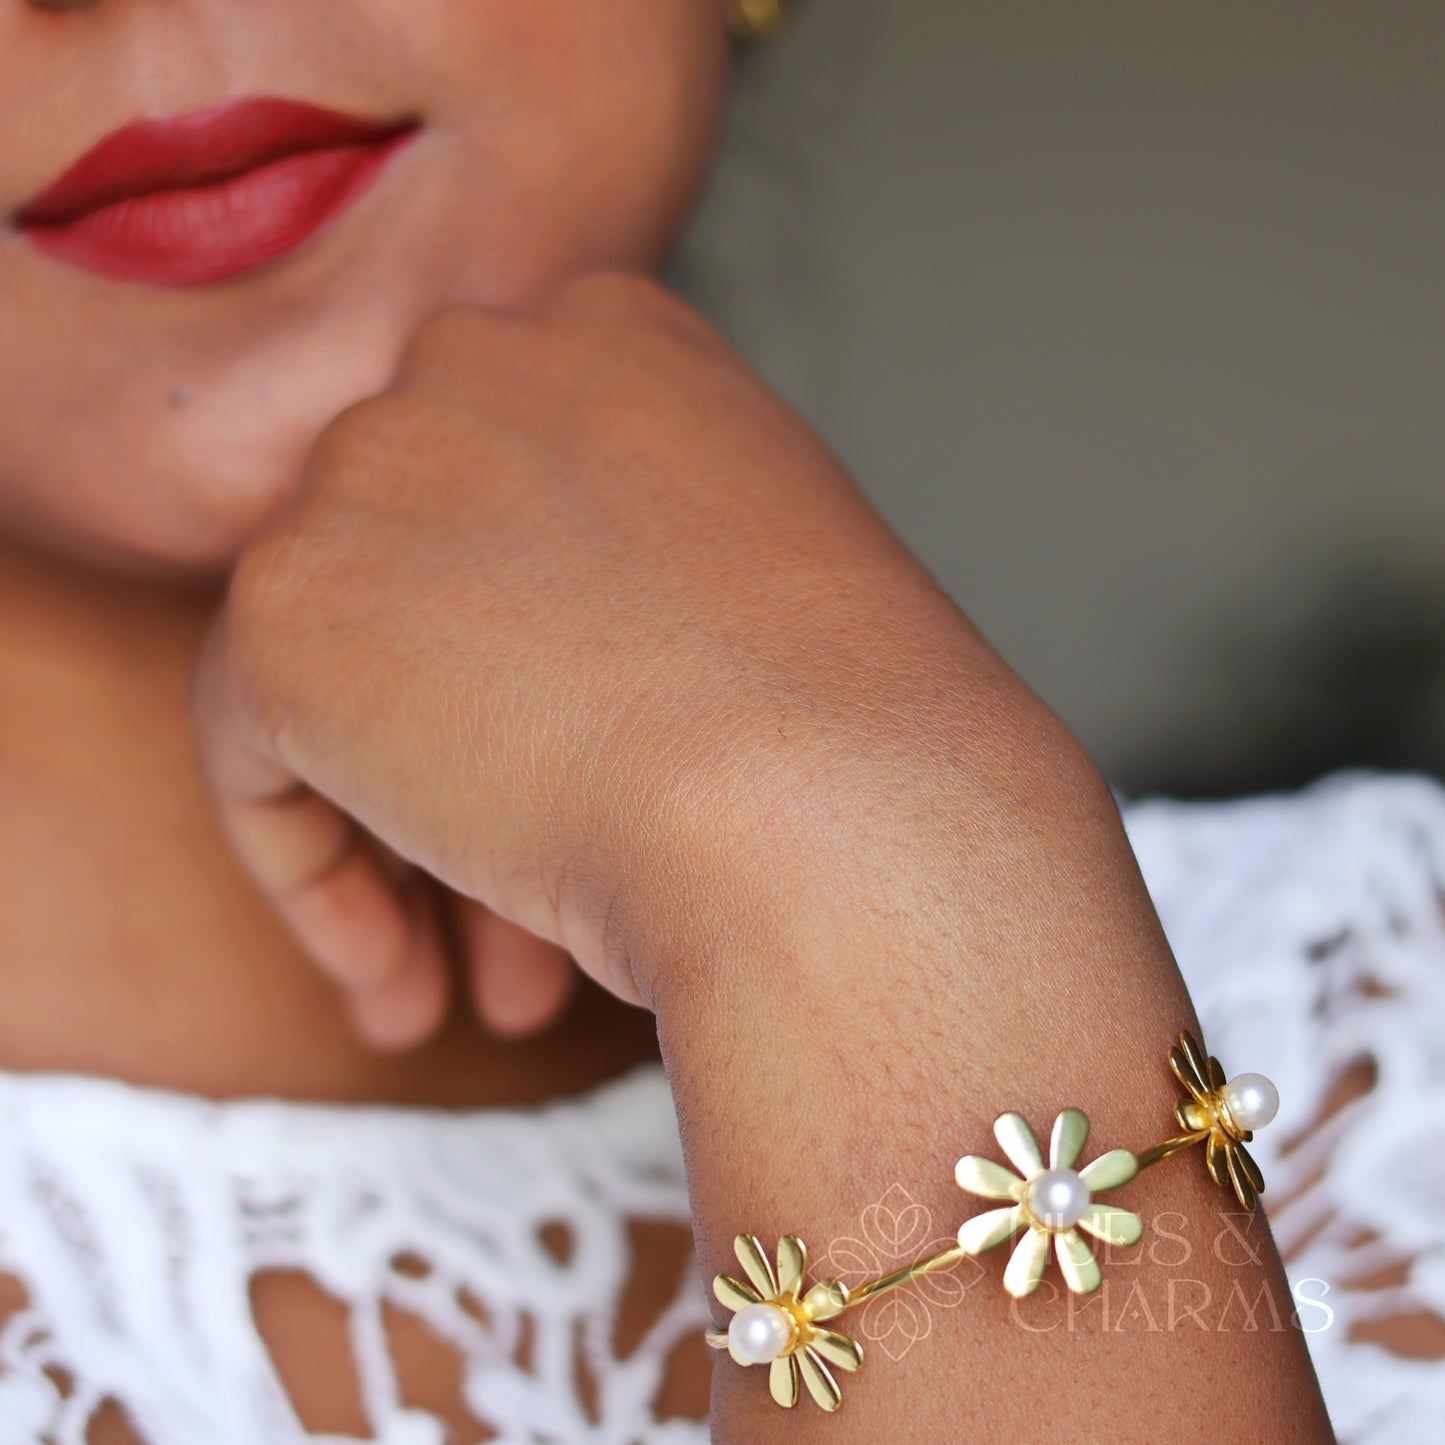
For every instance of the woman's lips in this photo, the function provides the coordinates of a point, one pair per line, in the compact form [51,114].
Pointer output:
[198,198]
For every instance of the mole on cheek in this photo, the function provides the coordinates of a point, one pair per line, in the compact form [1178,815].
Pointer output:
[180,396]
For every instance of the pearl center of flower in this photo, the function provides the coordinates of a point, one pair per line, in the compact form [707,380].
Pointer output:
[1057,1198]
[1252,1101]
[760,1333]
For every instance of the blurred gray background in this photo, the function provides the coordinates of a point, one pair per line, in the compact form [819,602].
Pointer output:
[1130,318]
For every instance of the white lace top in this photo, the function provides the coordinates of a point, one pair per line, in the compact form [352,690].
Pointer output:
[1313,934]
[137,1221]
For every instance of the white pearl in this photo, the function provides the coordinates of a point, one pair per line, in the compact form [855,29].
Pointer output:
[1058,1198]
[760,1333]
[1252,1101]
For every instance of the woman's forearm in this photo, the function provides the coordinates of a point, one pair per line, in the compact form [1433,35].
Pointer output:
[857,1028]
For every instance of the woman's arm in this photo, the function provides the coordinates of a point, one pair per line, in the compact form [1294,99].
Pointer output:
[866,1036]
[579,619]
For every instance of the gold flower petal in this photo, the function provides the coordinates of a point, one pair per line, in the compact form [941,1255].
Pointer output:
[1197,1064]
[1071,1129]
[1109,1170]
[1215,1075]
[991,1227]
[1183,1070]
[733,1293]
[792,1264]
[982,1176]
[783,1380]
[1016,1140]
[826,1299]
[749,1250]
[819,1380]
[1026,1264]
[837,1350]
[1113,1226]
[1076,1260]
[1251,1169]
[1243,1189]
[1214,1159]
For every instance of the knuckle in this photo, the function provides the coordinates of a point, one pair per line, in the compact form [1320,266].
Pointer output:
[456,335]
[362,428]
[290,596]
[359,448]
[610,289]
[641,321]
[624,297]
[297,572]
[240,675]
[268,587]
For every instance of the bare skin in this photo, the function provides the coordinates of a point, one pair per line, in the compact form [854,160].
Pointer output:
[848,980]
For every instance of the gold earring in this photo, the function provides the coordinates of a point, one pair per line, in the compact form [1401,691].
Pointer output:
[755,19]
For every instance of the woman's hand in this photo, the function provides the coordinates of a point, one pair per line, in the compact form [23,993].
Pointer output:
[574,617]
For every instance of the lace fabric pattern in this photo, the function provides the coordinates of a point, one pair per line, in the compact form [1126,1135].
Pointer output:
[1312,932]
[137,1221]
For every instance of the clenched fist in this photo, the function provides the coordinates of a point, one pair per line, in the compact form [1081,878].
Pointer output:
[579,619]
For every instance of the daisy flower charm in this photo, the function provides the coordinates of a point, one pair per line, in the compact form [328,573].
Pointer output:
[1053,1203]
[778,1324]
[1224,1113]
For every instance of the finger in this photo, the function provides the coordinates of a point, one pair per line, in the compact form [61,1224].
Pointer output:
[520,983]
[407,1006]
[325,877]
[330,884]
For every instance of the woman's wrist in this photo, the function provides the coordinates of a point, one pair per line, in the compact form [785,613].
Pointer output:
[928,838]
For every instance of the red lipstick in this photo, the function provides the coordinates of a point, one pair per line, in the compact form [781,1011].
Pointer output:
[186,200]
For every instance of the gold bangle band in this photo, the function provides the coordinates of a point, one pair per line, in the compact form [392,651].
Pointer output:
[782,1322]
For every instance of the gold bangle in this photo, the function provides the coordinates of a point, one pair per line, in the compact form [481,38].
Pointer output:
[782,1322]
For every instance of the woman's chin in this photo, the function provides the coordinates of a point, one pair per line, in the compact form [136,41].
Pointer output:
[178,523]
